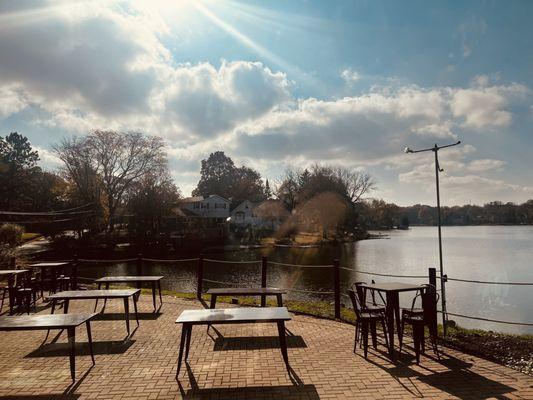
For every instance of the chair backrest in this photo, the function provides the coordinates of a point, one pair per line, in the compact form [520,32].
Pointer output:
[360,292]
[356,303]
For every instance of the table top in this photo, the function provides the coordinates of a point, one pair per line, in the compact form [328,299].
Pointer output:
[44,321]
[234,315]
[392,286]
[117,279]
[4,272]
[49,264]
[246,291]
[93,294]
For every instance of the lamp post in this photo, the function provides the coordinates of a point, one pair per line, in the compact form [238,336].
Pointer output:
[435,149]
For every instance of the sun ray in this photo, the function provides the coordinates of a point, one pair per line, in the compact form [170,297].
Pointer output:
[260,50]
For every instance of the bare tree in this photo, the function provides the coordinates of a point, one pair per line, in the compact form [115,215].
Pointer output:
[116,160]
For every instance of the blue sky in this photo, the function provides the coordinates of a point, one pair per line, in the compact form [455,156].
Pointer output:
[285,83]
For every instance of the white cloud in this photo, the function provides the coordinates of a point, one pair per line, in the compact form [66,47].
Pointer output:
[485,107]
[13,100]
[350,76]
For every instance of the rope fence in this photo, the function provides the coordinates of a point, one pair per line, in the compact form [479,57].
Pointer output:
[170,261]
[488,319]
[264,263]
[232,262]
[299,265]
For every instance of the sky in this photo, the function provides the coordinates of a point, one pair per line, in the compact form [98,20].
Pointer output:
[278,84]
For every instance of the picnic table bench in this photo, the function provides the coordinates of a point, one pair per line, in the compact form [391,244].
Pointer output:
[124,294]
[57,321]
[153,280]
[263,292]
[248,315]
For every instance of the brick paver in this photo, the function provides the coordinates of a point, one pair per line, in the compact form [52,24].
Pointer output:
[236,362]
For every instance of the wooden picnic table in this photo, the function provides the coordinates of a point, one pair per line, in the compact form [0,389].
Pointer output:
[11,275]
[54,266]
[57,321]
[392,306]
[248,315]
[263,292]
[125,294]
[153,280]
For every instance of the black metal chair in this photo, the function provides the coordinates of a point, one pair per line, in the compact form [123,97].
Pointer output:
[365,321]
[419,318]
[26,293]
[361,293]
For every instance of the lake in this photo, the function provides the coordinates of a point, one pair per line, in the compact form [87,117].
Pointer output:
[488,253]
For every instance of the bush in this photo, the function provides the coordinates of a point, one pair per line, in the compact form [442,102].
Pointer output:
[11,234]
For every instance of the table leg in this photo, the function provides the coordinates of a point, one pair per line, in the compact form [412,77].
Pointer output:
[53,306]
[105,299]
[188,342]
[127,313]
[72,356]
[90,338]
[184,329]
[213,301]
[280,300]
[135,308]
[96,301]
[66,303]
[283,343]
[392,297]
[160,295]
[153,295]
[11,292]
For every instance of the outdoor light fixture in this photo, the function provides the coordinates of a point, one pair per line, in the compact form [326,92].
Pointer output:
[438,169]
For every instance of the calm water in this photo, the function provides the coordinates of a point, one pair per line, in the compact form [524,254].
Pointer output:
[490,253]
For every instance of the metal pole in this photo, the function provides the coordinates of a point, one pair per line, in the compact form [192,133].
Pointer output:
[441,271]
[435,149]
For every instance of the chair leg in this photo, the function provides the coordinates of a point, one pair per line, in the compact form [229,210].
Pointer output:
[356,335]
[374,334]
[365,338]
[384,327]
[401,335]
[416,337]
[3,298]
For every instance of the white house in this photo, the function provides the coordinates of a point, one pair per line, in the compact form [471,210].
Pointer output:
[267,214]
[243,213]
[213,206]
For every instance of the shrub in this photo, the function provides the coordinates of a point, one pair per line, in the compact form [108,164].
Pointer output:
[11,234]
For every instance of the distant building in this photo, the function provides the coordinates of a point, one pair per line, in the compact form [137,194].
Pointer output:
[213,206]
[268,214]
[199,218]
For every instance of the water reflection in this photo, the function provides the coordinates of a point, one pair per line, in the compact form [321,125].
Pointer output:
[489,253]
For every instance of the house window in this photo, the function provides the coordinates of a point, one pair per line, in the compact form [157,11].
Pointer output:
[196,205]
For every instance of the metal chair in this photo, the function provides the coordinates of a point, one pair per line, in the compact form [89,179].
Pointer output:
[419,318]
[366,320]
[25,293]
[361,293]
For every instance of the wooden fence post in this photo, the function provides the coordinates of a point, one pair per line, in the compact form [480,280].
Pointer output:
[200,277]
[74,277]
[264,265]
[433,282]
[337,287]
[139,268]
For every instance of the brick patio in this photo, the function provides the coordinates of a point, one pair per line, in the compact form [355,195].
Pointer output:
[244,362]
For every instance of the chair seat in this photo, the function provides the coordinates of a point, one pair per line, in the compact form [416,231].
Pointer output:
[414,319]
[370,316]
[412,311]
[374,309]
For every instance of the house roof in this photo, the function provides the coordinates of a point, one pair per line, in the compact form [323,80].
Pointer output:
[220,197]
[194,199]
[271,208]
